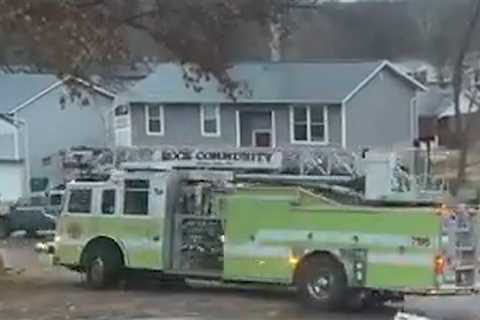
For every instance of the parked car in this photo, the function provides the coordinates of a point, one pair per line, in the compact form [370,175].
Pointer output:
[37,213]
[31,220]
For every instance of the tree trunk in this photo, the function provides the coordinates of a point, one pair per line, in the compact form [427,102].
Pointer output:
[458,77]
[462,167]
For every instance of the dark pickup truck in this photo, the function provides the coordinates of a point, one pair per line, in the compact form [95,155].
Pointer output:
[31,220]
[32,214]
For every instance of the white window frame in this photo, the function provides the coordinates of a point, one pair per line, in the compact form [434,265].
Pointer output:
[309,125]
[148,118]
[217,119]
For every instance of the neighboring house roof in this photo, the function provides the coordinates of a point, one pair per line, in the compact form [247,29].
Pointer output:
[466,107]
[434,101]
[15,89]
[411,66]
[316,82]
[438,102]
[19,90]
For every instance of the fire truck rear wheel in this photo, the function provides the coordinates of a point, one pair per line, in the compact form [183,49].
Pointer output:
[322,283]
[103,266]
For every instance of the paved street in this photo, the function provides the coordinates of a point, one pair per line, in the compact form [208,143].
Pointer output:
[38,292]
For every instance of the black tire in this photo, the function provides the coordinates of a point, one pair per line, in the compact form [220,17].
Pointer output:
[31,234]
[103,265]
[4,230]
[322,283]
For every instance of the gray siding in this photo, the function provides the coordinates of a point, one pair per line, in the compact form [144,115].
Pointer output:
[380,114]
[51,129]
[7,146]
[335,125]
[182,125]
[7,140]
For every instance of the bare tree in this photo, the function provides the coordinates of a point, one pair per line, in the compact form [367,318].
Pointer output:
[464,124]
[74,36]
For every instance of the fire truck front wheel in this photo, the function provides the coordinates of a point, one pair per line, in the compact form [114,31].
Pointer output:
[321,282]
[103,266]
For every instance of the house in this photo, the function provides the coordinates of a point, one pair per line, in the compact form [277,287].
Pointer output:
[54,115]
[353,105]
[13,183]
[437,116]
[288,104]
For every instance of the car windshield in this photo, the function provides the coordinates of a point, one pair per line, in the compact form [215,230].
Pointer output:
[56,200]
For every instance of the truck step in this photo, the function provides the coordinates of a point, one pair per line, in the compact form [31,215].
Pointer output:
[466,267]
[466,248]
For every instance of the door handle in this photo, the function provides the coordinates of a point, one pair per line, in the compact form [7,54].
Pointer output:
[156,238]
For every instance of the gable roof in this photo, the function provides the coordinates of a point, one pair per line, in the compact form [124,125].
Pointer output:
[19,90]
[15,89]
[316,82]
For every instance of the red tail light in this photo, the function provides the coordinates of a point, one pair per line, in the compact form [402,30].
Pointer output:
[440,263]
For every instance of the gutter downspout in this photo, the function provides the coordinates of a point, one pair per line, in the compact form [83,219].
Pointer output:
[26,150]
[344,124]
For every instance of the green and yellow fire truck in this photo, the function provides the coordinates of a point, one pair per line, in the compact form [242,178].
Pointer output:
[203,224]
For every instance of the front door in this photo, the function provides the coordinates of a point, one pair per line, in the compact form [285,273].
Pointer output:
[256,129]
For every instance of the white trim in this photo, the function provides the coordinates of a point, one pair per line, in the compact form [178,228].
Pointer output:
[16,147]
[309,126]
[344,125]
[23,125]
[406,76]
[147,119]
[364,82]
[55,86]
[127,129]
[413,119]
[237,128]
[37,96]
[128,142]
[217,119]
[238,101]
[94,87]
[274,130]
[377,70]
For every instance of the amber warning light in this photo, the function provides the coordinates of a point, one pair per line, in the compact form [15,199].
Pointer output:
[439,265]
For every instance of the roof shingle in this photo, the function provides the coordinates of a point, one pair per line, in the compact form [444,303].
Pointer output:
[267,82]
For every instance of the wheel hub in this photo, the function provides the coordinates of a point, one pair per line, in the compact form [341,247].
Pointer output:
[320,286]
[97,270]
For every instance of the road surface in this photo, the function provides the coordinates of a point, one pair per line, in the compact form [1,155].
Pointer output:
[39,292]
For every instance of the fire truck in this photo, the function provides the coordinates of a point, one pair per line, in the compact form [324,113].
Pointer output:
[205,224]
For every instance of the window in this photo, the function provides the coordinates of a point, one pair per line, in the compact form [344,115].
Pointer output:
[56,200]
[154,119]
[210,119]
[309,124]
[80,201]
[136,197]
[121,110]
[108,202]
